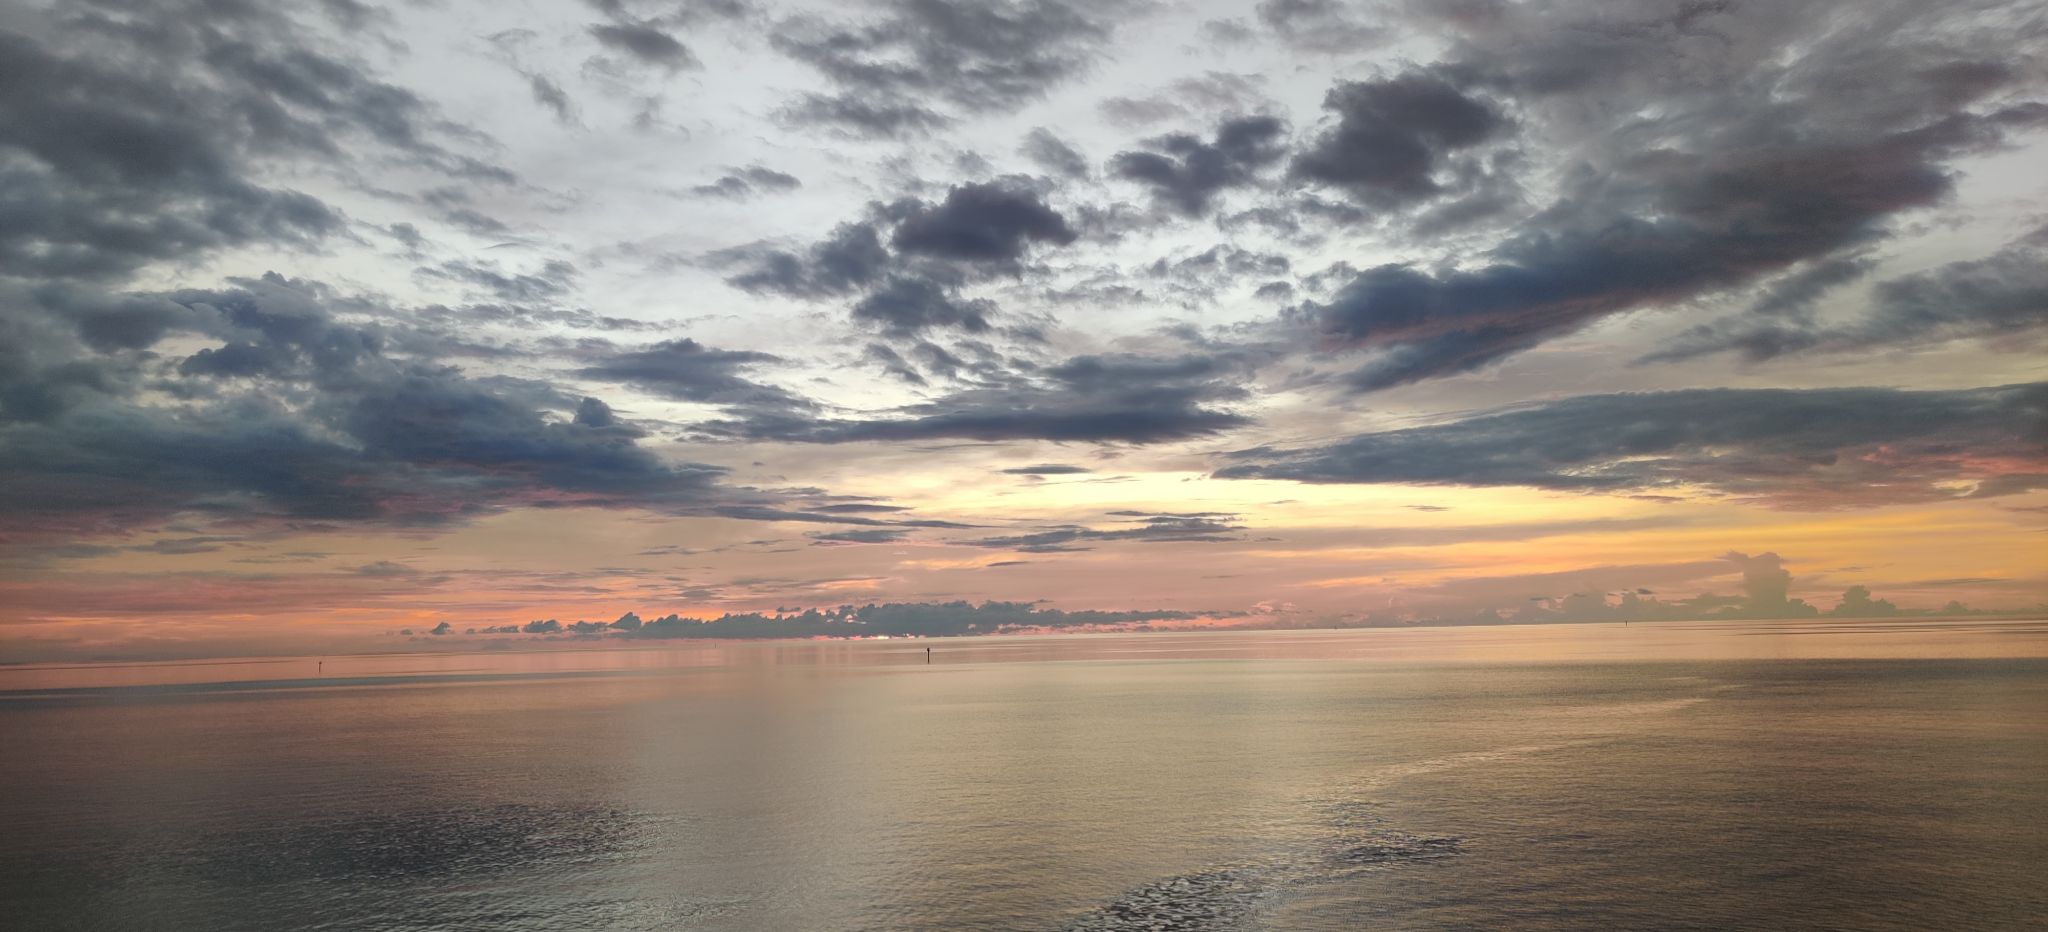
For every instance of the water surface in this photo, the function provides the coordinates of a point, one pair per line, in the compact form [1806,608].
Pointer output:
[1697,775]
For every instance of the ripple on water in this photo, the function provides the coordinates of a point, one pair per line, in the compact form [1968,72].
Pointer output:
[1350,842]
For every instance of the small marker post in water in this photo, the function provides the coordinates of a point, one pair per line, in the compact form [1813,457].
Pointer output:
[927,655]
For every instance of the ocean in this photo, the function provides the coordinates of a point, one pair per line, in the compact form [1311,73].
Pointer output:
[1700,775]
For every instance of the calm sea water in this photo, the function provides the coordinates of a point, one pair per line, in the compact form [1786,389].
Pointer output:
[1709,776]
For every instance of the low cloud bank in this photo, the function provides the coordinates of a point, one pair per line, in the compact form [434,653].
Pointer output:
[1573,597]
[896,619]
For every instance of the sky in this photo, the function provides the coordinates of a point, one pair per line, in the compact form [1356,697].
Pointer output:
[322,322]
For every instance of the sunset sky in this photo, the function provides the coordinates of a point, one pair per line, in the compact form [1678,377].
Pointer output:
[323,321]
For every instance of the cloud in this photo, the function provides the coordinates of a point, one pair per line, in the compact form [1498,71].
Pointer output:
[862,536]
[1745,165]
[907,305]
[1765,581]
[851,257]
[1590,594]
[184,545]
[550,95]
[158,137]
[1392,137]
[295,418]
[978,230]
[1857,603]
[553,280]
[862,118]
[1168,528]
[1213,93]
[1054,154]
[1185,174]
[1048,469]
[1814,448]
[1328,26]
[894,73]
[1206,275]
[982,223]
[746,182]
[644,43]
[1110,398]
[2003,295]
[686,370]
[918,619]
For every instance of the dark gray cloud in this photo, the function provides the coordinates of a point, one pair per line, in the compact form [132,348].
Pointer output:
[1329,26]
[1048,151]
[978,230]
[921,619]
[1794,294]
[1744,166]
[2003,296]
[1108,399]
[446,324]
[88,144]
[675,14]
[982,223]
[553,280]
[645,44]
[1048,469]
[1157,529]
[1392,137]
[862,118]
[1786,448]
[297,417]
[642,36]
[141,134]
[591,412]
[922,61]
[862,536]
[851,258]
[827,516]
[860,508]
[906,305]
[746,182]
[386,568]
[893,364]
[1185,173]
[550,95]
[1998,296]
[686,370]
[1780,320]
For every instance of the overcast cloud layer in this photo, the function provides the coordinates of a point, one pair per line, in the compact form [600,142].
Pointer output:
[1284,310]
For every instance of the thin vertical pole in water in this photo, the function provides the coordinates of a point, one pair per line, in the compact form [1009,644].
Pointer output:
[927,655]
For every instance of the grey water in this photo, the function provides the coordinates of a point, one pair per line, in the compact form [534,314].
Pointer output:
[1694,776]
